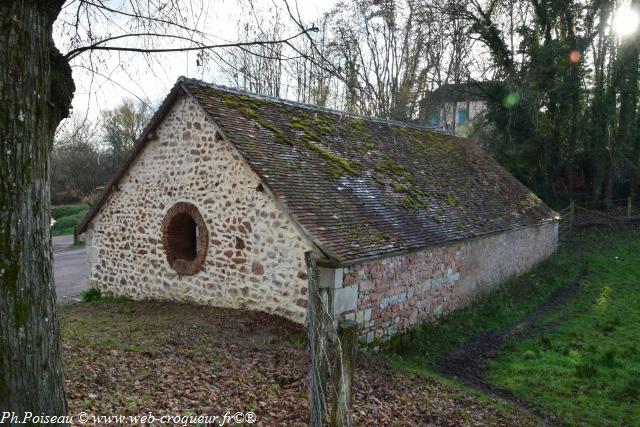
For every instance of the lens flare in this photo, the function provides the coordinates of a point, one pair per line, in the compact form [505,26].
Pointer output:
[575,56]
[511,100]
[625,21]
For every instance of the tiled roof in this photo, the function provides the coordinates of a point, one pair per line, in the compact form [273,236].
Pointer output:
[359,187]
[472,91]
[365,187]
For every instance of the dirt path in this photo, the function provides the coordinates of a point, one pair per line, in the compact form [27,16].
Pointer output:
[468,362]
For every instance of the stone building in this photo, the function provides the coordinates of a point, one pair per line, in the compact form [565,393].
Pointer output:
[225,193]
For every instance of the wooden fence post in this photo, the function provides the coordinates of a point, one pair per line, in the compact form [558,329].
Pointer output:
[628,207]
[345,360]
[317,337]
[572,213]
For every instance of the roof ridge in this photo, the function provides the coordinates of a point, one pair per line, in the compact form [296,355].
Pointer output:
[308,106]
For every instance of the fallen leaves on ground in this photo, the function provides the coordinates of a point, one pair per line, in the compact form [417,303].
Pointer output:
[134,358]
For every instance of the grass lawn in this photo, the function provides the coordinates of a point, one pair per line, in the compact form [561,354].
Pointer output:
[502,306]
[580,362]
[132,358]
[586,366]
[67,217]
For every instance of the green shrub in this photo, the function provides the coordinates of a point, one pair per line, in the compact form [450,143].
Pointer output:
[91,294]
[65,225]
[60,211]
[67,218]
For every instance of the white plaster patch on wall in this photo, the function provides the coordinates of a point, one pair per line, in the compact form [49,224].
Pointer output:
[393,299]
[436,282]
[255,258]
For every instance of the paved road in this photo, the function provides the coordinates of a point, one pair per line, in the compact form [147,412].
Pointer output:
[69,268]
[62,242]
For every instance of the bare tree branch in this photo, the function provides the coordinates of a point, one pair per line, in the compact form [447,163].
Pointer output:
[140,16]
[97,46]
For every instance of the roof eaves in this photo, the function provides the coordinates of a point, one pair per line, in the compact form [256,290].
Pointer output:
[333,263]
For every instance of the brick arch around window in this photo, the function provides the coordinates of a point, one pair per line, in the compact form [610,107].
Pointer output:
[185,238]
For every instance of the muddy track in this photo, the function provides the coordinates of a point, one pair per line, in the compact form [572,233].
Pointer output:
[468,362]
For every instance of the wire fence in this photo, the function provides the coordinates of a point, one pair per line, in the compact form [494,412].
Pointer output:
[332,353]
[616,212]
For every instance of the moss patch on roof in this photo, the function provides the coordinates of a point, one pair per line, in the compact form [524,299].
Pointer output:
[341,166]
[248,107]
[310,125]
[323,124]
[313,126]
[359,128]
[402,181]
[364,234]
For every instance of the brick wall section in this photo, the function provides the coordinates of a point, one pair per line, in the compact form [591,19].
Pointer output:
[255,256]
[398,292]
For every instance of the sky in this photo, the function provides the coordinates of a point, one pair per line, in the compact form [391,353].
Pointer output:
[149,78]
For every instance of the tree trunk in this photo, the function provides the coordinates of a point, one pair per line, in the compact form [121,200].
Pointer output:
[635,179]
[608,190]
[633,116]
[36,89]
[600,110]
[573,107]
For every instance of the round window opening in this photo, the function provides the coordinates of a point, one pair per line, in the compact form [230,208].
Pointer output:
[185,238]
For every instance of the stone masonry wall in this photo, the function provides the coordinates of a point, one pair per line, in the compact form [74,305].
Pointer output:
[397,292]
[255,256]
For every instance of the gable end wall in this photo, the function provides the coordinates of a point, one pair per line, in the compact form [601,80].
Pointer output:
[255,258]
